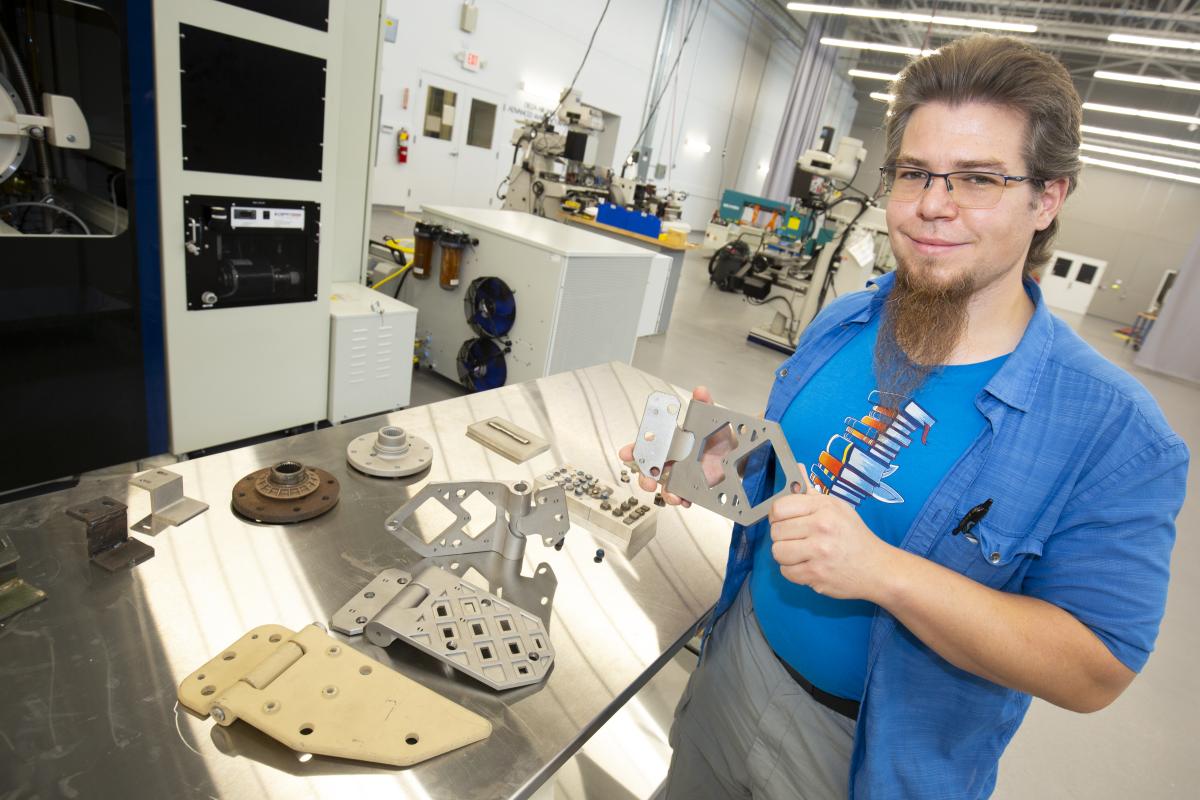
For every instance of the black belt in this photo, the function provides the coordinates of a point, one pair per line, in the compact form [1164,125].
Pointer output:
[842,705]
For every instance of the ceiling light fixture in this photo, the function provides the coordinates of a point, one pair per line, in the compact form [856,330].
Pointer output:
[882,48]
[883,97]
[878,76]
[909,16]
[1144,114]
[1170,83]
[1140,137]
[1117,151]
[1153,41]
[1157,173]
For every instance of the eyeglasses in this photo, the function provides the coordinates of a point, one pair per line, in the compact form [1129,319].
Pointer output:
[967,189]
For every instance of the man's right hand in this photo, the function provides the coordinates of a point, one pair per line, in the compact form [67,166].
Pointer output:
[715,450]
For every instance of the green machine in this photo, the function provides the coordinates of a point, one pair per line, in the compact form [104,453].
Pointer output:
[790,224]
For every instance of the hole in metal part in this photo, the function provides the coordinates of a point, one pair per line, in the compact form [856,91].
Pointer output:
[230,656]
[505,625]
[411,739]
[288,467]
[442,611]
[534,656]
[207,690]
[274,637]
[514,648]
[654,472]
[364,670]
[521,487]
[523,670]
[485,652]
[451,645]
[722,498]
[306,729]
[200,677]
[648,436]
[477,629]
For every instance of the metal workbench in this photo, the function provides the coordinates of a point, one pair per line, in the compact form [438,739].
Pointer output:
[89,676]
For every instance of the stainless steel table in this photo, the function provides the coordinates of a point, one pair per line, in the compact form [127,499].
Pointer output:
[89,676]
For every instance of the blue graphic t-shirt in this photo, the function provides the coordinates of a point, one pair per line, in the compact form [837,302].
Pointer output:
[882,454]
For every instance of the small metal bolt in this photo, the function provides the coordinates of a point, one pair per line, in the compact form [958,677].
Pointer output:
[605,505]
[218,713]
[361,620]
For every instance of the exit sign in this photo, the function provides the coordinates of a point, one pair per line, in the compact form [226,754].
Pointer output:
[471,61]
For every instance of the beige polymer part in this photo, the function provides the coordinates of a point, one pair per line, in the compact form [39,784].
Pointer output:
[316,695]
[501,436]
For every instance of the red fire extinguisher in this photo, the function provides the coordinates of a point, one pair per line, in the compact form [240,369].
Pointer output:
[402,146]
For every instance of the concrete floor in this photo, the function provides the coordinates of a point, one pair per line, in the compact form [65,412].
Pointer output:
[1144,745]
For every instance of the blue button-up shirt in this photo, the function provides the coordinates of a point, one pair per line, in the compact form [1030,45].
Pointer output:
[1085,478]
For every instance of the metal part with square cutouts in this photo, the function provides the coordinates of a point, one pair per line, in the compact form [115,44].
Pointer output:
[108,541]
[476,632]
[673,455]
[520,510]
[168,506]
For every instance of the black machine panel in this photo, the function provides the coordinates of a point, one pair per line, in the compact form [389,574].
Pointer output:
[309,13]
[249,251]
[250,108]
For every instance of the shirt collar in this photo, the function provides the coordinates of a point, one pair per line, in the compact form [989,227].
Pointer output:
[1015,383]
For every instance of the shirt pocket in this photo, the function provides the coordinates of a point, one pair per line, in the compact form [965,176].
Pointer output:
[995,556]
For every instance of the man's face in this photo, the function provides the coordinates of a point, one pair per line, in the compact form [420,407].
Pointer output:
[937,242]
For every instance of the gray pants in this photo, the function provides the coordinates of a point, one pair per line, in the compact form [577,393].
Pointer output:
[745,729]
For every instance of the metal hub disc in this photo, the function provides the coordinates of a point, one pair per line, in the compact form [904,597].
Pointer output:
[389,453]
[286,492]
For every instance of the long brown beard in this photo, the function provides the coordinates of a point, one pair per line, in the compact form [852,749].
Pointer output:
[922,324]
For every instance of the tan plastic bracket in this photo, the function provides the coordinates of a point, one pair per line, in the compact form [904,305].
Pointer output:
[319,696]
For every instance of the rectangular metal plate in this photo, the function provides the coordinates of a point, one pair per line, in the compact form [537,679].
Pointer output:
[511,441]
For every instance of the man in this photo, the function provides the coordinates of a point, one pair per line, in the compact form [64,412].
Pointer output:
[992,504]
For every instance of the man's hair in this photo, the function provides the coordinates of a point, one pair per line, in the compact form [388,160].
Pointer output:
[1002,71]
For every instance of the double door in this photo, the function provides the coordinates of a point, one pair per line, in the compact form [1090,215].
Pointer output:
[1070,281]
[455,153]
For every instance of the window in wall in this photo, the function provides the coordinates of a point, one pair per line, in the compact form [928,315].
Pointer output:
[1061,267]
[439,113]
[481,124]
[1087,273]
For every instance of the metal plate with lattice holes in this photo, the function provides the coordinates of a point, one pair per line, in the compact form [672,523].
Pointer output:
[316,695]
[476,632]
[673,455]
[505,514]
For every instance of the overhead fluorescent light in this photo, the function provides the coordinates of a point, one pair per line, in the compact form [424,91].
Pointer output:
[1140,112]
[1170,83]
[910,16]
[1157,173]
[696,145]
[1117,151]
[878,76]
[882,48]
[883,97]
[1140,137]
[1154,41]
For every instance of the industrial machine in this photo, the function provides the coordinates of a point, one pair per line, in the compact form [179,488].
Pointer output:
[549,169]
[263,206]
[504,296]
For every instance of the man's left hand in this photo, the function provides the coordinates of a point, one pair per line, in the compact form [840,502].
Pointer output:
[821,542]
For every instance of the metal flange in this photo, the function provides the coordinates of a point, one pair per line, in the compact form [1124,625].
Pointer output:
[287,492]
[390,452]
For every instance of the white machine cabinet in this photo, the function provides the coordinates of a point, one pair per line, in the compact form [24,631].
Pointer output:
[576,298]
[370,352]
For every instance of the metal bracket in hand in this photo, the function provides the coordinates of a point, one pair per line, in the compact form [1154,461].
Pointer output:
[675,455]
[513,511]
[472,630]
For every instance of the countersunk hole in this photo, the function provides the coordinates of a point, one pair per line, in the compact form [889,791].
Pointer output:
[451,645]
[306,729]
[361,620]
[485,602]
[333,651]
[200,677]
[364,670]
[329,691]
[411,739]
[533,656]
[230,656]
[274,637]
[522,487]
[254,636]
[207,690]
[654,471]
[648,436]
[369,595]
[270,706]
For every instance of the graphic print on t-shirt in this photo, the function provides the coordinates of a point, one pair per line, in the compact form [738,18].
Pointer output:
[854,465]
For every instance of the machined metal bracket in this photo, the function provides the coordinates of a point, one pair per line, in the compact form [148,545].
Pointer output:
[168,506]
[674,455]
[318,696]
[15,594]
[488,516]
[493,641]
[108,541]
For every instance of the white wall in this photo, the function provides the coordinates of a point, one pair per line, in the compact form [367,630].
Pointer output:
[543,41]
[539,41]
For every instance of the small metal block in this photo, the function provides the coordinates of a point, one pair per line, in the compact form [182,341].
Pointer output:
[107,534]
[605,505]
[658,500]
